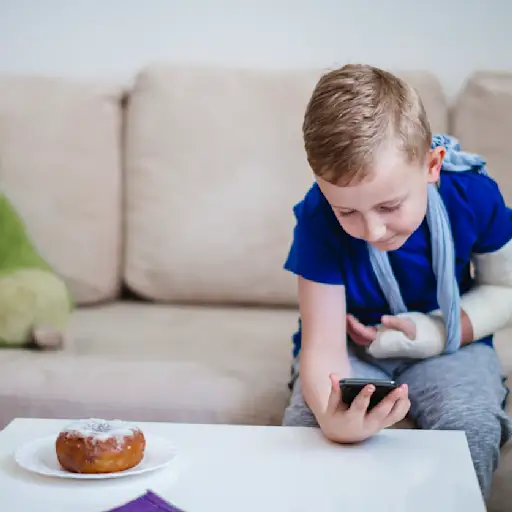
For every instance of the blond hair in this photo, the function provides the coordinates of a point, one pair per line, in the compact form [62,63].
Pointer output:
[355,111]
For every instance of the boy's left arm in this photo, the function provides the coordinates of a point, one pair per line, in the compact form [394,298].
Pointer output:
[485,309]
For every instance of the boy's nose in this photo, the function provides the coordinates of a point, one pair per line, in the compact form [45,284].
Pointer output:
[374,230]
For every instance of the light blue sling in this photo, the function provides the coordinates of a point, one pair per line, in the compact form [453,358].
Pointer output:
[443,250]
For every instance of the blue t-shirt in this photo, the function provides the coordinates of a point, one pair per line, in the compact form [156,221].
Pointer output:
[323,252]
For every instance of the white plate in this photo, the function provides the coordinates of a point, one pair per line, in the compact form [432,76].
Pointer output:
[39,456]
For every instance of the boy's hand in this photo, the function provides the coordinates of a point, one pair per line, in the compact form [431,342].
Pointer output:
[350,424]
[365,335]
[411,335]
[359,333]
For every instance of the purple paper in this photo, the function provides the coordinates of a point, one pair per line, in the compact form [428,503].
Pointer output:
[149,502]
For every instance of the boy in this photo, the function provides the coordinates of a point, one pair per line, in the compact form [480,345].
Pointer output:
[383,246]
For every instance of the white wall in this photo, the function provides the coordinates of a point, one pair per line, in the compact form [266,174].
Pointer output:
[114,38]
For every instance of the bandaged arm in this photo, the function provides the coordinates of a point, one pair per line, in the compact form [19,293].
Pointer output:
[488,304]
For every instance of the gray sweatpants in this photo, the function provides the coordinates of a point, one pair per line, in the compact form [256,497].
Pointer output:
[461,391]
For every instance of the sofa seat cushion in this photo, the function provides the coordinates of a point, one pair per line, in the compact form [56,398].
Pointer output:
[147,362]
[159,363]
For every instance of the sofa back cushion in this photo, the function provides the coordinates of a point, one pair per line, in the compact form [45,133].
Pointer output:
[214,164]
[60,166]
[482,121]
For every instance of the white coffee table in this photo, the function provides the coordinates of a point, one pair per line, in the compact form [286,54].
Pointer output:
[243,468]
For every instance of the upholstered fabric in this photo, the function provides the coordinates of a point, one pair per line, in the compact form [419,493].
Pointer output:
[60,166]
[151,362]
[482,120]
[214,164]
[169,363]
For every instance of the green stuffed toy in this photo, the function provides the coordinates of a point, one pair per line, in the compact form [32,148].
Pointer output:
[35,304]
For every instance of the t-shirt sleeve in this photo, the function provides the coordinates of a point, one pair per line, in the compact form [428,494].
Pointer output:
[493,217]
[312,255]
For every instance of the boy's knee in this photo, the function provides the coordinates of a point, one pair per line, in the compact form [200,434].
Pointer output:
[486,431]
[485,425]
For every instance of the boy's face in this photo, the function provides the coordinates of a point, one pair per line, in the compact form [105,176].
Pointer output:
[390,204]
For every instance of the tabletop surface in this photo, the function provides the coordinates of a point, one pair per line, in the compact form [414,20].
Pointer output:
[232,468]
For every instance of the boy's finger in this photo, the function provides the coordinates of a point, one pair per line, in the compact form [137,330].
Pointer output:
[362,400]
[335,395]
[398,412]
[382,410]
[400,324]
[356,337]
[352,332]
[360,340]
[367,333]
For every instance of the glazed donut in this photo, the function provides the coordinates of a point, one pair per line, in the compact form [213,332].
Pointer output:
[100,446]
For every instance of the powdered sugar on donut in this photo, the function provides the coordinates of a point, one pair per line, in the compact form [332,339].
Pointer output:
[100,430]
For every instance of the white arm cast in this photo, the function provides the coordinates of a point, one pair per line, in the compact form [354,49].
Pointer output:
[489,304]
[429,341]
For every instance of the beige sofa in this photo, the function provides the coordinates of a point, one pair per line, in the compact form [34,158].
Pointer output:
[167,206]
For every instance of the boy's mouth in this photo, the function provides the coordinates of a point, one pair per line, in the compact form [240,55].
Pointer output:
[389,242]
[385,241]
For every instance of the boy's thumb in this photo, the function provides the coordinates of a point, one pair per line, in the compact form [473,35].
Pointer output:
[334,396]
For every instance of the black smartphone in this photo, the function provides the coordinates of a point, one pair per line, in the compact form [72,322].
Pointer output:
[350,388]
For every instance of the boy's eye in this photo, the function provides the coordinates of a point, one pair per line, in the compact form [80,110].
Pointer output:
[346,213]
[390,208]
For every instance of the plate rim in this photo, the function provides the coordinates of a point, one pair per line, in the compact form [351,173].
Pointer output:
[52,473]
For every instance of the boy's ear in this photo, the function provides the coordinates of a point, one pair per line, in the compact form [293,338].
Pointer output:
[435,161]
